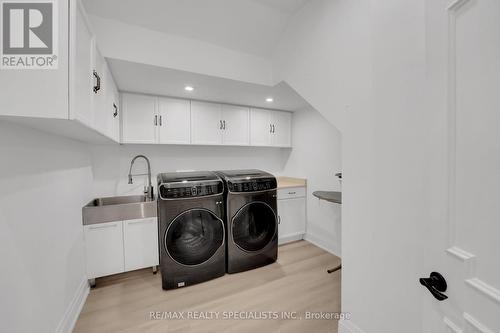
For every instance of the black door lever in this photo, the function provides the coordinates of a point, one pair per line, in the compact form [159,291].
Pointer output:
[436,285]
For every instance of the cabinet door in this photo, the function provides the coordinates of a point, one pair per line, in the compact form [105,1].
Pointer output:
[102,120]
[40,93]
[235,125]
[206,123]
[140,243]
[82,69]
[282,126]
[104,249]
[114,110]
[292,218]
[260,127]
[139,118]
[174,120]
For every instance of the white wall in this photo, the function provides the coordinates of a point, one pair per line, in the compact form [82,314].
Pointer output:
[133,43]
[359,64]
[44,182]
[111,163]
[316,156]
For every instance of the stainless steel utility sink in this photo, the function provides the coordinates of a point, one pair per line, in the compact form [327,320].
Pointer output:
[121,208]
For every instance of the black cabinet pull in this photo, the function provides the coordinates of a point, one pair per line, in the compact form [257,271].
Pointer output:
[224,127]
[160,121]
[220,124]
[274,128]
[115,113]
[156,120]
[97,87]
[270,128]
[436,284]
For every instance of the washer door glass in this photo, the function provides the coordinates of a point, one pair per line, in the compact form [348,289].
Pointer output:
[194,236]
[254,226]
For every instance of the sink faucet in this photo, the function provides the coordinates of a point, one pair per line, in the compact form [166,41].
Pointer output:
[148,190]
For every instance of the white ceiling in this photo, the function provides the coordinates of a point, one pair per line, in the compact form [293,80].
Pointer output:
[162,81]
[250,26]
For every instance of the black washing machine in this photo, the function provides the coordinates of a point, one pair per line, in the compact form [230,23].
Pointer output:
[251,219]
[191,228]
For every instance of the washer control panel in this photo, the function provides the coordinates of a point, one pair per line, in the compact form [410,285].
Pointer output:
[178,191]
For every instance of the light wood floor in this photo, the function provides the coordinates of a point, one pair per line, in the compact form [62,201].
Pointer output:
[297,282]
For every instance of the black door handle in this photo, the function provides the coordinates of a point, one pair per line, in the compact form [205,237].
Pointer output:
[436,285]
[97,87]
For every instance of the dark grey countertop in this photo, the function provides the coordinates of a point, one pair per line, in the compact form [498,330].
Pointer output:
[331,196]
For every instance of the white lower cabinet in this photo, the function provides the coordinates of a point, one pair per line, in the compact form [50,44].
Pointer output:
[291,214]
[140,243]
[121,246]
[104,249]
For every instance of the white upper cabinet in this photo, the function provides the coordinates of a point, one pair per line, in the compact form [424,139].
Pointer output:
[206,123]
[65,92]
[281,123]
[40,93]
[270,128]
[100,91]
[174,121]
[83,64]
[139,118]
[260,127]
[235,125]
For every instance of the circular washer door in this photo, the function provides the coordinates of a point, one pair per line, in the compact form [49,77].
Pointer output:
[194,236]
[254,226]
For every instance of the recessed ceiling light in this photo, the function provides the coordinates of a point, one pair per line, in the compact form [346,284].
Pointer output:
[269,99]
[188,88]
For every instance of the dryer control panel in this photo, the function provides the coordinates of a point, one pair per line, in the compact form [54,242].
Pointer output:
[253,185]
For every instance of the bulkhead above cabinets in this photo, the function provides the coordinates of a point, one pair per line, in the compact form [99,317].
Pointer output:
[150,119]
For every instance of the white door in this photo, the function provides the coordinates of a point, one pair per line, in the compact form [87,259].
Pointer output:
[114,109]
[292,218]
[174,120]
[81,70]
[463,232]
[281,123]
[140,243]
[99,98]
[206,123]
[104,249]
[235,125]
[260,127]
[139,118]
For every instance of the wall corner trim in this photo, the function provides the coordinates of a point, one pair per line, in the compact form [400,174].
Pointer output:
[73,310]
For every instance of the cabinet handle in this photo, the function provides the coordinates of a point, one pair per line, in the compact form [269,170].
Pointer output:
[279,219]
[292,192]
[274,128]
[220,126]
[160,121]
[115,113]
[97,87]
[104,226]
[224,127]
[270,128]
[156,120]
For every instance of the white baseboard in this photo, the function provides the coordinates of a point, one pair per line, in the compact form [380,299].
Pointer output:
[321,243]
[290,238]
[347,326]
[71,314]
